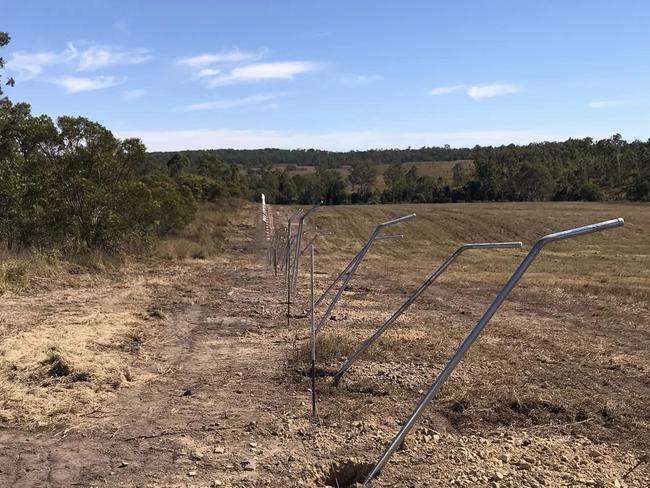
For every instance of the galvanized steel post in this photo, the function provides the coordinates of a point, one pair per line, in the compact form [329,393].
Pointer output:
[296,262]
[409,301]
[313,336]
[478,328]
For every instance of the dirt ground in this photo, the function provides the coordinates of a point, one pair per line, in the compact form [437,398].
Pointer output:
[186,375]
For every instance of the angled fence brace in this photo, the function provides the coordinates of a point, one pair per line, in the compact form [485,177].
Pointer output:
[342,274]
[308,244]
[357,260]
[390,237]
[478,328]
[414,296]
[288,265]
[288,244]
[296,261]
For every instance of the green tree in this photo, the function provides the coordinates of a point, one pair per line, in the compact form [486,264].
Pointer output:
[459,175]
[332,186]
[395,180]
[363,175]
[178,164]
[4,40]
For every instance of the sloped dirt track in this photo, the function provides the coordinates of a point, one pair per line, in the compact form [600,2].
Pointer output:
[225,407]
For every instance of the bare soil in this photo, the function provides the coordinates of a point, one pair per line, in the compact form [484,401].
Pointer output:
[185,374]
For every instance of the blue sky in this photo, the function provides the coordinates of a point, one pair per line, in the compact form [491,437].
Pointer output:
[337,74]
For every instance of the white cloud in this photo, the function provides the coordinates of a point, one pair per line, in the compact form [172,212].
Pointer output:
[488,91]
[281,70]
[97,57]
[73,84]
[607,103]
[233,56]
[338,141]
[135,94]
[445,90]
[31,64]
[91,57]
[230,103]
[208,72]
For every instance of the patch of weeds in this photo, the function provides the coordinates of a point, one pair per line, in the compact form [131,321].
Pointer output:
[57,366]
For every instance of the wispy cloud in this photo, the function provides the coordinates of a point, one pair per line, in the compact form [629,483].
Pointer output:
[135,94]
[445,90]
[231,103]
[477,92]
[237,66]
[488,91]
[31,64]
[337,141]
[608,103]
[80,58]
[281,70]
[232,56]
[98,57]
[73,84]
[208,72]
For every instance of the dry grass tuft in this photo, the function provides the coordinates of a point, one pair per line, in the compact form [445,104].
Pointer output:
[202,239]
[17,270]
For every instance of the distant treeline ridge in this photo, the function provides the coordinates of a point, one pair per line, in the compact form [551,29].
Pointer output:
[575,169]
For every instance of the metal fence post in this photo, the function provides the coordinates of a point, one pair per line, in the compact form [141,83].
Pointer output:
[313,336]
[414,296]
[478,328]
[296,262]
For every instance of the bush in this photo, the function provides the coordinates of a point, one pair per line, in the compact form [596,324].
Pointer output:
[74,185]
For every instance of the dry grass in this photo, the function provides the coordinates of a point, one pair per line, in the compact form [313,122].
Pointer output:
[81,334]
[202,239]
[17,270]
[67,365]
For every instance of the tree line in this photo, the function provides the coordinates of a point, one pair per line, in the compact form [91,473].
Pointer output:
[576,169]
[255,158]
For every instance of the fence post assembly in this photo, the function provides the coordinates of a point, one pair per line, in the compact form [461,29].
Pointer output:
[390,237]
[414,296]
[478,328]
[296,262]
[288,245]
[313,334]
[354,264]
[288,270]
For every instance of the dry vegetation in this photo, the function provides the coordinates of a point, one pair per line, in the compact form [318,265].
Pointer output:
[179,370]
